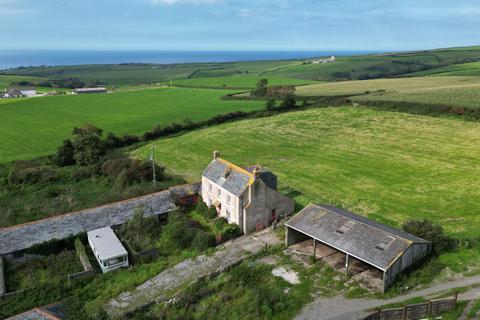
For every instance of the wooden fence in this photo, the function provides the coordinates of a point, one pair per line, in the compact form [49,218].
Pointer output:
[432,308]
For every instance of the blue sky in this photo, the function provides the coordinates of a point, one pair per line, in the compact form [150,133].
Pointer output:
[238,25]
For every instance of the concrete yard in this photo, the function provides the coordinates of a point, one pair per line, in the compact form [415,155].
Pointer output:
[170,282]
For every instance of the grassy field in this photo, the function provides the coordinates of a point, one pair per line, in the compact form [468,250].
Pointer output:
[346,68]
[37,126]
[6,80]
[388,166]
[244,82]
[449,91]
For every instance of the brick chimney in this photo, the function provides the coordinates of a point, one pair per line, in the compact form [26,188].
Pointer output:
[216,154]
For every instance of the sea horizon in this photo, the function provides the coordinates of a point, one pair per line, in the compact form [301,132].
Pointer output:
[10,59]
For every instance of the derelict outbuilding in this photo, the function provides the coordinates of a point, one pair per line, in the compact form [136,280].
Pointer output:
[387,249]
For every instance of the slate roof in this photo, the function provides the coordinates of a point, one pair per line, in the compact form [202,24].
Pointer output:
[228,176]
[23,236]
[353,234]
[106,243]
[35,314]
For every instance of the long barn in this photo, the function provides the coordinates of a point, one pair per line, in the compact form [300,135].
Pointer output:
[388,250]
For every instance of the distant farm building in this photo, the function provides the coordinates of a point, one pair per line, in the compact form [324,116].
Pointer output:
[357,242]
[108,249]
[18,92]
[90,90]
[247,197]
[10,93]
[327,60]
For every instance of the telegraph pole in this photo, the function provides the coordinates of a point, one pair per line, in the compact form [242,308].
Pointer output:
[152,158]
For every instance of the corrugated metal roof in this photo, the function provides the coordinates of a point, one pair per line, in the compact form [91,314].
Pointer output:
[23,236]
[358,236]
[228,176]
[106,243]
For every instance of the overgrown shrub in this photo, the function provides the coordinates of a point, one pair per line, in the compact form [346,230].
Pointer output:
[430,231]
[127,171]
[230,231]
[220,222]
[176,233]
[288,102]
[139,231]
[32,175]
[65,154]
[88,145]
[201,207]
[203,240]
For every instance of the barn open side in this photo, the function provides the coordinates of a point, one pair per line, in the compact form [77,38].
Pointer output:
[354,243]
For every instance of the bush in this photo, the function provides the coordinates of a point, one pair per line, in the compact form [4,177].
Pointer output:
[202,209]
[270,104]
[220,222]
[203,240]
[64,156]
[140,231]
[231,231]
[288,102]
[32,175]
[88,145]
[127,171]
[176,233]
[430,231]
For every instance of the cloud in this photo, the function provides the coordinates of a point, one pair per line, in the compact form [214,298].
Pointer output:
[169,2]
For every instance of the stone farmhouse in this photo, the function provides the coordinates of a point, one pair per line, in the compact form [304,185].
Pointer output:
[247,197]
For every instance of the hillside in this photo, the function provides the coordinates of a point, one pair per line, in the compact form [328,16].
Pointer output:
[37,126]
[388,166]
[345,68]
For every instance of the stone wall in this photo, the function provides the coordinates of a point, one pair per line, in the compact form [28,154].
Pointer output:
[2,279]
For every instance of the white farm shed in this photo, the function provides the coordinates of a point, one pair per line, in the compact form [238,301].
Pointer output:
[108,249]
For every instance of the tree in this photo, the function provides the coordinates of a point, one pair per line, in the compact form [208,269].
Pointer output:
[288,102]
[88,145]
[65,154]
[270,104]
[428,230]
[261,88]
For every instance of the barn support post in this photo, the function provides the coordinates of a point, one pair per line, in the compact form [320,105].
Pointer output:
[347,263]
[314,248]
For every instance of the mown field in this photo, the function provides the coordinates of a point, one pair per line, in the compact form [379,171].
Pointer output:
[449,91]
[388,166]
[37,126]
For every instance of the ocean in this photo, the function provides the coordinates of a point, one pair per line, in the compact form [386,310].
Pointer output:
[18,58]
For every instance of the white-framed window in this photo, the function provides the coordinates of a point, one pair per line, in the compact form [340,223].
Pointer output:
[229,198]
[219,192]
[228,214]
[210,187]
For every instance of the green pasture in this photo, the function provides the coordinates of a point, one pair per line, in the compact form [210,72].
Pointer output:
[37,126]
[388,166]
